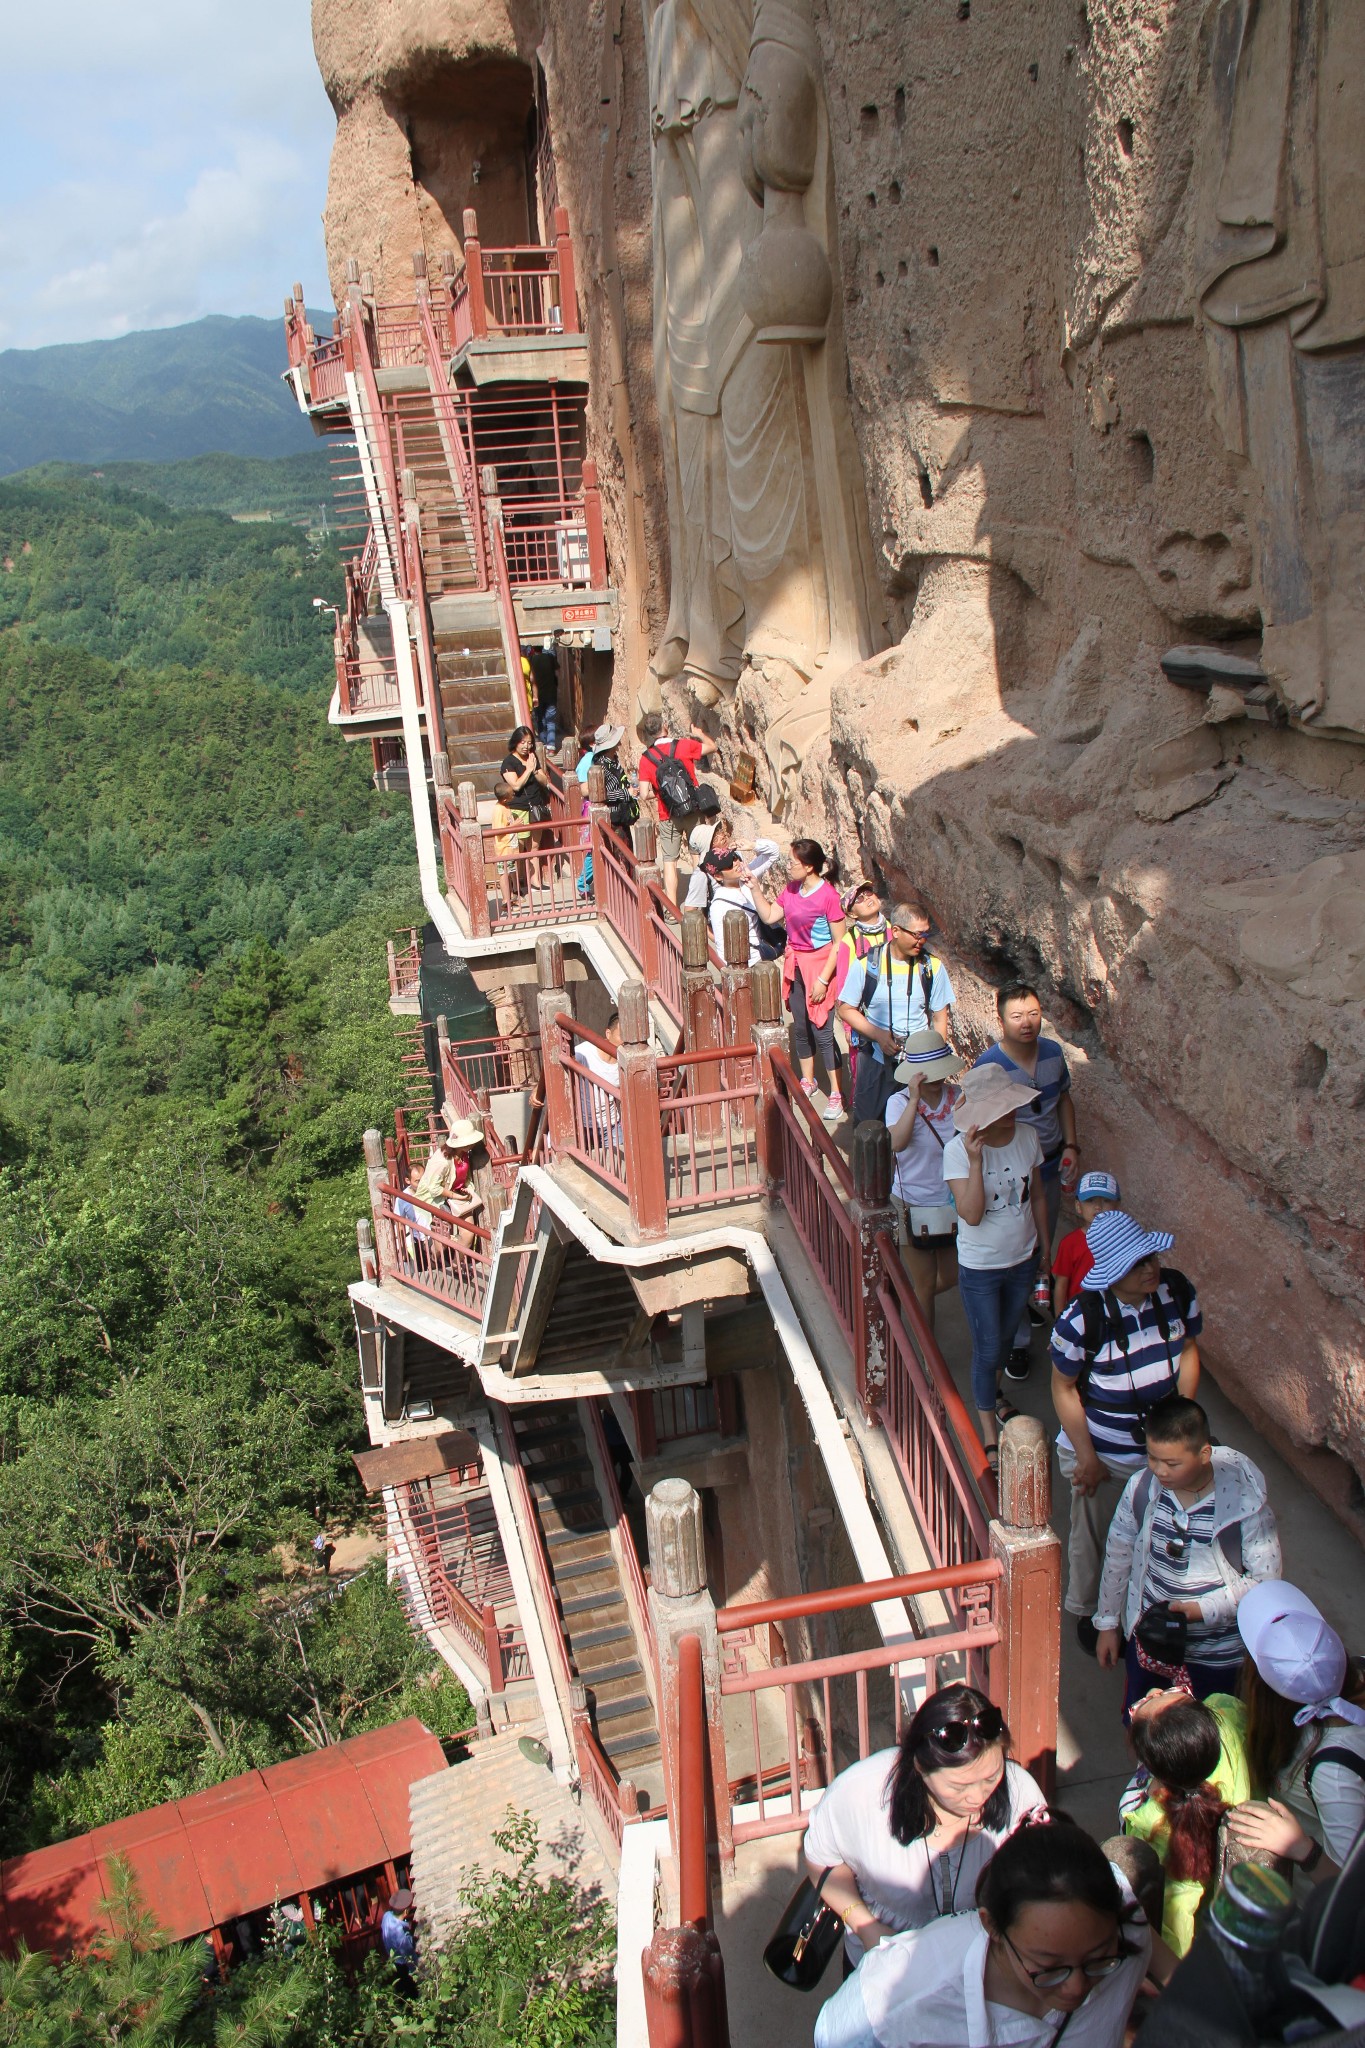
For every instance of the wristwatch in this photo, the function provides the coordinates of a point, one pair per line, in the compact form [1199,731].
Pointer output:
[1312,1859]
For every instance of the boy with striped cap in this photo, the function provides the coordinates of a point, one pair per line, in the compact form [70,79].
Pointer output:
[1126,1341]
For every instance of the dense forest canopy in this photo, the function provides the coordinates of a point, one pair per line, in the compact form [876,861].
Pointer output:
[196,881]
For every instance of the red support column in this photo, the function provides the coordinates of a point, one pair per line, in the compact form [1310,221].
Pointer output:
[1026,1663]
[471,839]
[492,1650]
[701,1019]
[739,1015]
[771,1034]
[568,275]
[871,1211]
[553,1001]
[638,1063]
[473,264]
[592,518]
[643,839]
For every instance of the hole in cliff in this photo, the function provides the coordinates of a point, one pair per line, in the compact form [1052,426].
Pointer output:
[868,117]
[902,268]
[1358,1099]
[1311,1069]
[898,107]
[964,10]
[1083,26]
[926,489]
[872,199]
[1142,456]
[1033,73]
[1012,847]
[1126,137]
[931,257]
[881,279]
[893,193]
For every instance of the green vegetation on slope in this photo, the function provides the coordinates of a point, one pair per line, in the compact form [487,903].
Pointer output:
[157,396]
[196,881]
[288,487]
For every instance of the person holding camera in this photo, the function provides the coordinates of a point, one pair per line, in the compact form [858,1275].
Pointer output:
[900,987]
[1191,1534]
[1127,1340]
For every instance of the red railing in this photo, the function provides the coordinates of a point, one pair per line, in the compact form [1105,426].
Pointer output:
[596,1137]
[805,1689]
[475,1068]
[637,1596]
[694,1870]
[666,933]
[530,289]
[941,1458]
[536,881]
[680,1412]
[709,1123]
[326,371]
[453,852]
[613,1797]
[405,966]
[615,888]
[433,1252]
[815,1181]
[366,683]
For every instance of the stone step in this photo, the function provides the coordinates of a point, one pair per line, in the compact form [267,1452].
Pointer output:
[608,1597]
[579,1546]
[622,1706]
[475,721]
[602,1637]
[602,1677]
[473,750]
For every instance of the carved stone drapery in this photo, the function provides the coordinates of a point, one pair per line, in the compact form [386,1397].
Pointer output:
[1282,287]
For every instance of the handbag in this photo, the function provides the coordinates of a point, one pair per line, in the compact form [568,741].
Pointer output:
[807,1935]
[1162,1634]
[940,1220]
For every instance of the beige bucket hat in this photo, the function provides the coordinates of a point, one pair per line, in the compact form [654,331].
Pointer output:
[988,1093]
[463,1133]
[928,1054]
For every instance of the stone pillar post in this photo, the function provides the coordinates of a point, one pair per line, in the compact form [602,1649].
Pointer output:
[871,1160]
[701,1020]
[681,1605]
[471,840]
[1026,1663]
[644,839]
[685,1990]
[552,1001]
[739,1015]
[638,1062]
[770,1033]
[376,1173]
[473,270]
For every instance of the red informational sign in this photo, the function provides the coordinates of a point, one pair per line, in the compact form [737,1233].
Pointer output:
[580,615]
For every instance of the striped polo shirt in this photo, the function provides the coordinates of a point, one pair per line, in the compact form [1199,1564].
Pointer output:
[1190,1573]
[1052,1078]
[1121,1387]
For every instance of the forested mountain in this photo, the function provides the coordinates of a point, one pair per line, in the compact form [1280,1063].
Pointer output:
[156,396]
[294,487]
[195,884]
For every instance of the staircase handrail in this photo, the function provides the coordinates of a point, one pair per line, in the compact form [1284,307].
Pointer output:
[637,1591]
[464,479]
[372,425]
[507,619]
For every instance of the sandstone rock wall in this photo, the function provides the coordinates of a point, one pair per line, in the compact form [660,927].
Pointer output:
[1096,345]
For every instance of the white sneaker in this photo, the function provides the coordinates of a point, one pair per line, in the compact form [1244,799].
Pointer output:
[833,1111]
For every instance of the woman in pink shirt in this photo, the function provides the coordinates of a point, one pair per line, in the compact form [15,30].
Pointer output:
[809,906]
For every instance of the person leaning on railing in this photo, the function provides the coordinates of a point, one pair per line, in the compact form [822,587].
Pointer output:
[906,1833]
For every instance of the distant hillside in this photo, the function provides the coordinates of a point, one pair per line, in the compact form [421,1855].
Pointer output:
[161,396]
[289,487]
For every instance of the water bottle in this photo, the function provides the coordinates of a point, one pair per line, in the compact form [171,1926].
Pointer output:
[1042,1293]
[1247,1926]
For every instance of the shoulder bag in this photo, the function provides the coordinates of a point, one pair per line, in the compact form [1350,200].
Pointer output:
[807,1935]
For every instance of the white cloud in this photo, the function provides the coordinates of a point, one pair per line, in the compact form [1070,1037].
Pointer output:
[157,162]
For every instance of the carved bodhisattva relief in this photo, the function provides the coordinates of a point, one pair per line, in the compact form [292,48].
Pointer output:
[769,556]
[1282,288]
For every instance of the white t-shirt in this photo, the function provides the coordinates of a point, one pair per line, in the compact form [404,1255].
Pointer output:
[919,1168]
[928,1986]
[731,896]
[1005,1236]
[899,1881]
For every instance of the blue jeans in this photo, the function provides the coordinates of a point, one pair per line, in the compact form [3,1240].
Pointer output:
[547,725]
[993,1297]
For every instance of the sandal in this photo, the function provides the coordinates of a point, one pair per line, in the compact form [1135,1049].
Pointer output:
[1005,1411]
[993,1458]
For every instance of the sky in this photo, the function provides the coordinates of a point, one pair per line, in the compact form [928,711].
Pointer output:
[159,160]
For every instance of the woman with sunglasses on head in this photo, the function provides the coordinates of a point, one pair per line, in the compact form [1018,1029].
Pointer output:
[1056,1947]
[906,1833]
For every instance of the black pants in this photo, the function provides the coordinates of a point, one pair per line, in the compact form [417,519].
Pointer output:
[873,1086]
[810,1037]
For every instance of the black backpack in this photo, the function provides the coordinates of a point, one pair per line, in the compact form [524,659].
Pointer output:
[674,780]
[875,966]
[622,808]
[1102,1321]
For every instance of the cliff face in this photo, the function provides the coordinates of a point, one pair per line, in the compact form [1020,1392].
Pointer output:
[951,363]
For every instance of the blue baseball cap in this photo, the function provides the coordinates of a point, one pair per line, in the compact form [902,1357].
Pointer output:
[1098,1187]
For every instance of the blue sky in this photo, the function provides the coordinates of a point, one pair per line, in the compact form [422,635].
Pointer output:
[159,159]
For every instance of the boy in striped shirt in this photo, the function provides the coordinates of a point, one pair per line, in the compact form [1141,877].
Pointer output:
[1194,1532]
[1126,1341]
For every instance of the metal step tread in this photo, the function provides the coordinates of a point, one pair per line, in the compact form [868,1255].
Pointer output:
[600,1638]
[606,1674]
[616,1710]
[609,1596]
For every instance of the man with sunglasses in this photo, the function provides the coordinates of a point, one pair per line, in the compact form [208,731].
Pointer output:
[1126,1341]
[900,988]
